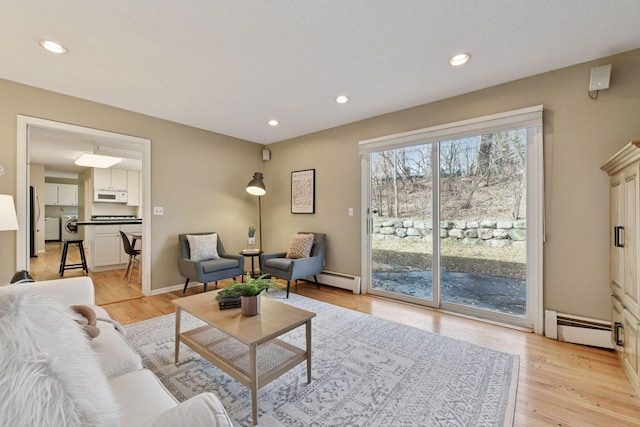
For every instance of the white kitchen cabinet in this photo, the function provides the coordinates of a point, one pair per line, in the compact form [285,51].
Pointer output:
[104,246]
[106,250]
[67,195]
[133,188]
[109,178]
[60,194]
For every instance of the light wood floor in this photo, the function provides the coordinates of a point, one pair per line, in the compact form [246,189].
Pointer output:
[559,384]
[110,286]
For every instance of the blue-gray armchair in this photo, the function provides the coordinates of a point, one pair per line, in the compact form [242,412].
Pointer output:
[207,270]
[277,265]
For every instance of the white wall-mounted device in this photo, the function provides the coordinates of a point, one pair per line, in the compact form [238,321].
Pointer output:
[600,78]
[266,155]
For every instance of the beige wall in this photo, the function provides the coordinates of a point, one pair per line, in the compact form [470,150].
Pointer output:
[198,177]
[580,134]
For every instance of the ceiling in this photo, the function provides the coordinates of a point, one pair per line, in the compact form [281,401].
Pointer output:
[58,149]
[230,66]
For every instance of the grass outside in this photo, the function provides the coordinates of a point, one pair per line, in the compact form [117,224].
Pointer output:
[403,256]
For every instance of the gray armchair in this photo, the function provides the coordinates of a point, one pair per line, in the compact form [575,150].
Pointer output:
[228,266]
[276,265]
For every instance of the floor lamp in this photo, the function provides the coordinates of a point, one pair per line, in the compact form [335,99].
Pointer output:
[256,187]
[8,218]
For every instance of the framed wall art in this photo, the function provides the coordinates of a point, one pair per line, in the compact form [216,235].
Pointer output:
[303,191]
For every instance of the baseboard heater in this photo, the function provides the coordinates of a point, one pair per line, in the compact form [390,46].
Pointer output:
[338,280]
[576,329]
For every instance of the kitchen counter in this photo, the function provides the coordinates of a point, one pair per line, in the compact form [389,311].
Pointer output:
[111,222]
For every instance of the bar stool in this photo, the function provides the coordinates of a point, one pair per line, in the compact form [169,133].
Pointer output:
[63,261]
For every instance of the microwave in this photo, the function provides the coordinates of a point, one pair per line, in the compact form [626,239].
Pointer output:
[111,196]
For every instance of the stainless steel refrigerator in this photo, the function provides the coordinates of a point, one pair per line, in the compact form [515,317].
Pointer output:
[34,217]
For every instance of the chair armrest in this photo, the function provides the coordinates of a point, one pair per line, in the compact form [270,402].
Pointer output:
[265,257]
[303,267]
[202,410]
[71,291]
[188,268]
[227,255]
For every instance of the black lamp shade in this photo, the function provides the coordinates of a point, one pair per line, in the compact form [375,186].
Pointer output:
[256,186]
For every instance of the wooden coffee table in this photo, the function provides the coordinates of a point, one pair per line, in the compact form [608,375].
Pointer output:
[244,347]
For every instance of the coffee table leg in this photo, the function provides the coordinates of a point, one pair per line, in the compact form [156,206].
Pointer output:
[178,317]
[253,361]
[308,324]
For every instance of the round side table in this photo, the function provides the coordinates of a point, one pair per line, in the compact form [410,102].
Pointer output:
[252,255]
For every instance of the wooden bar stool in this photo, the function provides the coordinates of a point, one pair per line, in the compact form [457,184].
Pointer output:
[63,261]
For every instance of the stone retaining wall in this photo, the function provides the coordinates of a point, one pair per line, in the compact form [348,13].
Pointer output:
[486,232]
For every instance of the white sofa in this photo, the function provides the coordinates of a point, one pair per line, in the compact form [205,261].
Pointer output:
[141,399]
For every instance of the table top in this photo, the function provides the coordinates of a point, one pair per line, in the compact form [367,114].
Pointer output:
[256,253]
[274,319]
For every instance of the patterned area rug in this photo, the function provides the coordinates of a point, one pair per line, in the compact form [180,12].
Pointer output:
[366,372]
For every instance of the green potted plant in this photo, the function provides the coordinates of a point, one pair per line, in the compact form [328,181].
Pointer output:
[252,232]
[249,293]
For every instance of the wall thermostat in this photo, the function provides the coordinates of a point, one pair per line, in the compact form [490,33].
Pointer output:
[3,169]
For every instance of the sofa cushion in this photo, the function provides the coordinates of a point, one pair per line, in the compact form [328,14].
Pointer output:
[300,246]
[117,357]
[219,264]
[203,246]
[204,409]
[54,376]
[141,396]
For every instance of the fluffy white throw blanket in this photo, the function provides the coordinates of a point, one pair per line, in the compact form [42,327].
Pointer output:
[49,375]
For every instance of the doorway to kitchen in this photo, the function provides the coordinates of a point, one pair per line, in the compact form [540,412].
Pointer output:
[28,126]
[454,217]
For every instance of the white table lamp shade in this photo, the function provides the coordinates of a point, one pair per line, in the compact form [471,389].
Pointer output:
[8,218]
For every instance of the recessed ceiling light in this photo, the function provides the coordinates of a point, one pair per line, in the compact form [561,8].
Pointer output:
[342,99]
[53,46]
[459,59]
[273,122]
[97,161]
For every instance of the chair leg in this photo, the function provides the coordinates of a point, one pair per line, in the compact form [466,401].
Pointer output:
[126,270]
[288,286]
[316,279]
[63,260]
[185,286]
[205,286]
[216,284]
[131,269]
[83,258]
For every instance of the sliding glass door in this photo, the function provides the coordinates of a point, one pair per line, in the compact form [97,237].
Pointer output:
[483,223]
[449,225]
[402,222]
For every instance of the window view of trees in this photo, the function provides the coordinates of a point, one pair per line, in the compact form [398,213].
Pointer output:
[472,170]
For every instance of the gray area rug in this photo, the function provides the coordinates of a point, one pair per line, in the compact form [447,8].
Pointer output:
[366,372]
